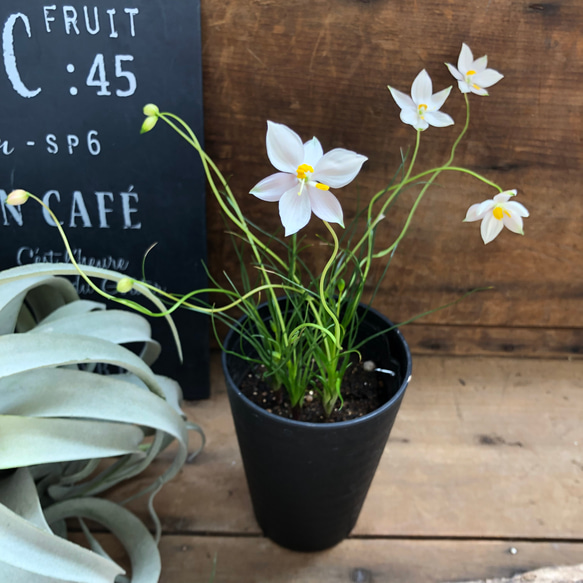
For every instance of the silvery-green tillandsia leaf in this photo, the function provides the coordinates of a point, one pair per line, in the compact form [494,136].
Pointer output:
[10,311]
[127,528]
[120,327]
[16,575]
[73,309]
[172,392]
[12,294]
[22,352]
[73,393]
[81,472]
[28,441]
[52,294]
[96,547]
[18,493]
[24,271]
[171,389]
[94,544]
[25,320]
[29,554]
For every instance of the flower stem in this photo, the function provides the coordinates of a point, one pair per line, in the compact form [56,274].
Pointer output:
[237,217]
[464,130]
[337,327]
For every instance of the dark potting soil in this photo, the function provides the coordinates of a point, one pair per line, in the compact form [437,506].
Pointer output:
[363,391]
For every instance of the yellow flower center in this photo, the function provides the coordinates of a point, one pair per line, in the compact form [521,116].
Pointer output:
[472,72]
[499,212]
[303,173]
[302,170]
[422,109]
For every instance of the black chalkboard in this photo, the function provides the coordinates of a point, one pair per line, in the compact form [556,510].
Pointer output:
[74,79]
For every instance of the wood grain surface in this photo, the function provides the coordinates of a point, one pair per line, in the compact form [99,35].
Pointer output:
[482,478]
[322,67]
[189,559]
[482,447]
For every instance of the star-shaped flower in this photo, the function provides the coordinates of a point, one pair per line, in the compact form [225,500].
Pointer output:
[498,213]
[473,75]
[422,109]
[302,185]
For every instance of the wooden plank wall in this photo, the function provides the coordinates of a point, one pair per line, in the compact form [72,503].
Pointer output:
[322,68]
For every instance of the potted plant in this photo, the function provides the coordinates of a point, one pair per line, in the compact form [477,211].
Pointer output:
[69,432]
[314,331]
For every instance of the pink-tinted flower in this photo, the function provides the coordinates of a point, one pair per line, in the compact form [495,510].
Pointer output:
[306,174]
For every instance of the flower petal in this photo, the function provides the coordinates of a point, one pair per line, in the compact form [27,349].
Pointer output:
[463,87]
[465,60]
[490,228]
[284,147]
[479,210]
[438,119]
[512,221]
[338,167]
[474,213]
[477,90]
[415,121]
[422,88]
[272,188]
[325,205]
[487,78]
[402,99]
[517,208]
[438,99]
[480,64]
[485,207]
[454,72]
[294,210]
[313,151]
[504,196]
[411,117]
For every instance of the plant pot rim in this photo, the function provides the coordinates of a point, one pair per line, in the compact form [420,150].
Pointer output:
[324,426]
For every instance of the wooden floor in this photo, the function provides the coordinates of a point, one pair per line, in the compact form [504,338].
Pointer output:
[482,477]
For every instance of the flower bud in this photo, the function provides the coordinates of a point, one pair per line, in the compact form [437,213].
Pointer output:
[124,285]
[151,110]
[17,197]
[148,124]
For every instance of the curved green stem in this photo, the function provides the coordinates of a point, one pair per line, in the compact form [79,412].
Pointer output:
[396,187]
[337,332]
[237,217]
[70,252]
[464,130]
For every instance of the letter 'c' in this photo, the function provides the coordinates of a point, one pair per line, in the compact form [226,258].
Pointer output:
[10,57]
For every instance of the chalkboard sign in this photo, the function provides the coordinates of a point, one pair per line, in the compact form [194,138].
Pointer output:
[74,79]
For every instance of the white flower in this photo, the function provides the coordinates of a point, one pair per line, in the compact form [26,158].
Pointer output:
[498,213]
[422,109]
[306,174]
[472,75]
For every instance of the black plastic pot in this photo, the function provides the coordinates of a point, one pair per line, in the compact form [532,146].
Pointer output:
[308,481]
